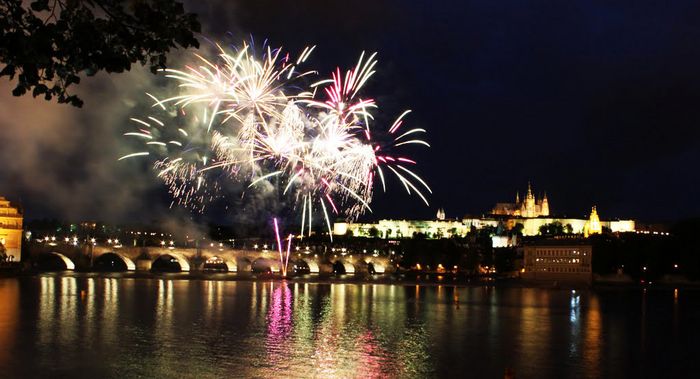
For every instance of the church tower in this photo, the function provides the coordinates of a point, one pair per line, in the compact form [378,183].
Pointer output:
[593,224]
[529,204]
[544,209]
[441,214]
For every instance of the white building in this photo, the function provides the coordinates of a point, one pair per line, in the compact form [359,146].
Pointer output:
[447,228]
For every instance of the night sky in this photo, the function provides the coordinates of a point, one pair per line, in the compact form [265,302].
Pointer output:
[594,102]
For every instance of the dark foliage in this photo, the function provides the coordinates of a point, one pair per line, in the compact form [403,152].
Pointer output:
[553,229]
[48,44]
[645,256]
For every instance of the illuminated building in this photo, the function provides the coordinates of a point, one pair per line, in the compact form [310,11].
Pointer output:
[559,261]
[441,214]
[528,208]
[593,225]
[10,230]
[407,228]
[531,226]
[447,228]
[530,213]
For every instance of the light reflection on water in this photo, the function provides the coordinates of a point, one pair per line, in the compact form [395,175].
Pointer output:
[95,326]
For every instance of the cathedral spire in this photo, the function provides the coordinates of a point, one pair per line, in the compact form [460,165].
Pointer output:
[441,214]
[517,197]
[529,195]
[544,205]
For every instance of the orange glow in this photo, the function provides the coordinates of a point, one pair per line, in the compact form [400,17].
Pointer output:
[9,316]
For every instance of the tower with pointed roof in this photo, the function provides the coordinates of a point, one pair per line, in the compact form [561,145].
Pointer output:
[440,214]
[544,206]
[593,225]
[527,209]
[529,206]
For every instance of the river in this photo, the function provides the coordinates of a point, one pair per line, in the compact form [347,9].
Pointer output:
[103,326]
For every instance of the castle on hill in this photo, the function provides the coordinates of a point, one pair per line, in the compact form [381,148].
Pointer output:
[529,207]
[532,213]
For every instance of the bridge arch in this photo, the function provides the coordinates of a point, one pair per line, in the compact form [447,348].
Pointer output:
[298,267]
[220,264]
[343,267]
[53,260]
[172,257]
[374,267]
[244,264]
[349,268]
[265,265]
[110,256]
[313,266]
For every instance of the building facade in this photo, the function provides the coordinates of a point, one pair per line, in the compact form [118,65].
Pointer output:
[459,228]
[528,207]
[558,261]
[531,214]
[10,230]
[406,228]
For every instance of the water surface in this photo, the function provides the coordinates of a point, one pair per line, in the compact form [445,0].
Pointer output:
[84,326]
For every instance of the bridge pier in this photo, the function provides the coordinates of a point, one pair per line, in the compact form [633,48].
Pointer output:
[143,264]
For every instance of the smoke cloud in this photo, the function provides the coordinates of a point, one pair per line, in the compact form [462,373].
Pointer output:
[62,161]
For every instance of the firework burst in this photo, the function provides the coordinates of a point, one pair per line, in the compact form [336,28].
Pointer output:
[253,120]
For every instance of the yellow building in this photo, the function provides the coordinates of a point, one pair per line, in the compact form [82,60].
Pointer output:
[403,228]
[531,226]
[529,207]
[10,230]
[593,226]
[445,228]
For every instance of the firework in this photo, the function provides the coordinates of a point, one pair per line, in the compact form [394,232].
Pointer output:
[257,121]
[183,150]
[284,255]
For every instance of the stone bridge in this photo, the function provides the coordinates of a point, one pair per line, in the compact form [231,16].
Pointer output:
[175,259]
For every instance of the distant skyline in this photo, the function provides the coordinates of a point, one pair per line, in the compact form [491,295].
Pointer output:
[593,102]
